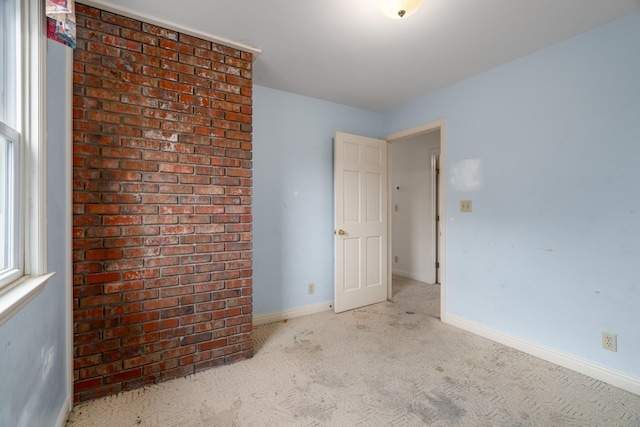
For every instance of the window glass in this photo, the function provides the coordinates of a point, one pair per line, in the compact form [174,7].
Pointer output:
[11,237]
[4,190]
[8,63]
[5,25]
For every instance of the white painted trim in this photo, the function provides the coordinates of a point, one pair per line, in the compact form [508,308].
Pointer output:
[34,122]
[411,276]
[390,271]
[68,196]
[415,131]
[601,373]
[442,204]
[434,165]
[419,130]
[14,297]
[64,413]
[129,13]
[261,319]
[33,157]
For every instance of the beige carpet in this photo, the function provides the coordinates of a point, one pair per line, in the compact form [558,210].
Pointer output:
[390,364]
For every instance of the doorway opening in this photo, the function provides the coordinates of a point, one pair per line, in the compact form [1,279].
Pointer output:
[416,195]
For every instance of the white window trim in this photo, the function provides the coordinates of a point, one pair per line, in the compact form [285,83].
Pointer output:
[16,295]
[14,209]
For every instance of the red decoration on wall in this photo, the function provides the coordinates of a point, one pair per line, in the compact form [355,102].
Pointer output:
[61,21]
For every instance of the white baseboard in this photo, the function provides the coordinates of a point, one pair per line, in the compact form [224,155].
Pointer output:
[609,376]
[64,413]
[412,276]
[261,319]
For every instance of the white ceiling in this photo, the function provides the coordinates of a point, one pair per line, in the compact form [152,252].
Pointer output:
[347,52]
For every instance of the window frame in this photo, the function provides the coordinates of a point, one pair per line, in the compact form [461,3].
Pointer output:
[30,162]
[13,213]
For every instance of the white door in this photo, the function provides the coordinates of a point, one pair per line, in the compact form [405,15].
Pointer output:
[360,191]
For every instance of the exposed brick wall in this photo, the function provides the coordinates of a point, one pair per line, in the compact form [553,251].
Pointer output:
[162,204]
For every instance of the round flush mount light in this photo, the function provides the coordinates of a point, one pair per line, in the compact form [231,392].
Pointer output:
[398,9]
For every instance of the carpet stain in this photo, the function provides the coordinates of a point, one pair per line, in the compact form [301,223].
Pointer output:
[407,326]
[321,411]
[328,380]
[423,411]
[303,345]
[359,315]
[446,407]
[434,375]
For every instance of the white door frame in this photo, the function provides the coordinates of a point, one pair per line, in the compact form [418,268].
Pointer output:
[415,131]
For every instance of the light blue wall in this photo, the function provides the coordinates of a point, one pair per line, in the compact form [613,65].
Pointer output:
[550,252]
[34,372]
[293,195]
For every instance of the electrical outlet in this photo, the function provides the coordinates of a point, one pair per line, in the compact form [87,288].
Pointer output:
[609,341]
[310,288]
[465,205]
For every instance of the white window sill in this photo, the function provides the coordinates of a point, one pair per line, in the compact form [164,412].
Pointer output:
[19,294]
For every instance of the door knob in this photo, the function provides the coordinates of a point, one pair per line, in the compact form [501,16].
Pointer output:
[341,232]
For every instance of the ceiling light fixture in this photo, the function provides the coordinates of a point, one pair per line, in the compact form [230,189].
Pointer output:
[398,9]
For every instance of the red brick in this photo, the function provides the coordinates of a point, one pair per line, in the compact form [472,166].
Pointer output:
[102,277]
[139,318]
[123,375]
[176,271]
[163,282]
[163,324]
[91,313]
[170,292]
[97,254]
[95,301]
[159,31]
[122,331]
[141,295]
[162,204]
[122,309]
[161,303]
[208,326]
[190,279]
[138,340]
[161,240]
[120,265]
[213,344]
[177,352]
[122,286]
[142,360]
[141,231]
[164,367]
[86,361]
[81,386]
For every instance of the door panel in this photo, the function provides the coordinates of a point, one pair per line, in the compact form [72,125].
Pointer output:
[351,257]
[374,190]
[373,261]
[360,190]
[351,196]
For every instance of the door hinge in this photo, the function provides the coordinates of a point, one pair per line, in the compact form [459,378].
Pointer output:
[437,171]
[437,217]
[437,265]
